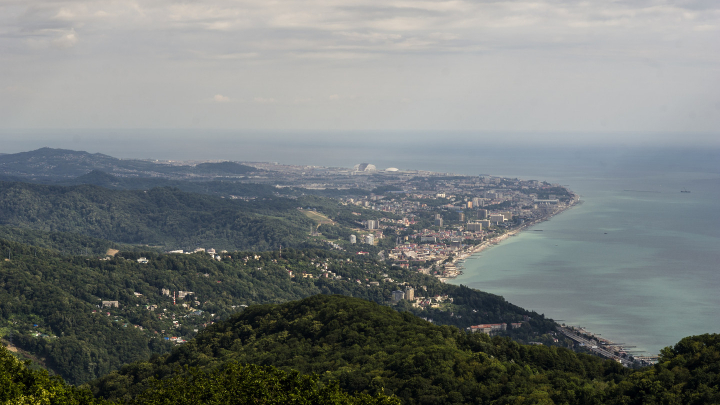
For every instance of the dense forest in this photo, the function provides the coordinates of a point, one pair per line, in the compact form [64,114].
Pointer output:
[335,349]
[231,384]
[51,304]
[167,217]
[372,349]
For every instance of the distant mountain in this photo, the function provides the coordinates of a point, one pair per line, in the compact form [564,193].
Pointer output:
[49,164]
[203,186]
[58,163]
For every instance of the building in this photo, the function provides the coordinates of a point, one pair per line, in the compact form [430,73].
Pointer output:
[183,294]
[469,204]
[430,239]
[397,296]
[365,167]
[438,220]
[474,227]
[353,239]
[370,239]
[372,224]
[488,328]
[477,202]
[462,216]
[409,293]
[547,202]
[111,304]
[497,219]
[482,214]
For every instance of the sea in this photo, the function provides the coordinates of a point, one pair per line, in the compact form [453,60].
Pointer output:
[638,262]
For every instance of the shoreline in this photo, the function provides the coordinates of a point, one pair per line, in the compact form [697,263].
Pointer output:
[600,346]
[496,240]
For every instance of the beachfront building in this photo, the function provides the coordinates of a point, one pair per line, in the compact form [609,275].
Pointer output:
[474,227]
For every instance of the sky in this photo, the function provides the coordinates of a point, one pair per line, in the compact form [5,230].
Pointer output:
[567,70]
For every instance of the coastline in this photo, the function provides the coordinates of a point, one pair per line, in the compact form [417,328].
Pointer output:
[498,239]
[580,336]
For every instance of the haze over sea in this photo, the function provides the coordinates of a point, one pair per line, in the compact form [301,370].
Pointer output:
[638,261]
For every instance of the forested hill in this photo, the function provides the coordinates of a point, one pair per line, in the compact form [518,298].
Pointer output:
[161,217]
[51,305]
[233,384]
[371,349]
[47,164]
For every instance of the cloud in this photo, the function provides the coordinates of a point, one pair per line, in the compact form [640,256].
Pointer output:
[246,28]
[66,40]
[451,58]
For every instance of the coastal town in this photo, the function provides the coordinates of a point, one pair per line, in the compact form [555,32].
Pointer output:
[432,222]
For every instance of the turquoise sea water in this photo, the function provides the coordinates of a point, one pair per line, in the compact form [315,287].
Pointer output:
[638,261]
[639,268]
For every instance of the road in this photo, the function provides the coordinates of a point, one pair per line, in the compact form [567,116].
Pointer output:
[593,346]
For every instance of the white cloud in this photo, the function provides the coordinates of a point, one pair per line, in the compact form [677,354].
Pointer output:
[459,62]
[66,40]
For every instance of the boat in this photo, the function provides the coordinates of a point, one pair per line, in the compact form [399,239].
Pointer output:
[684,191]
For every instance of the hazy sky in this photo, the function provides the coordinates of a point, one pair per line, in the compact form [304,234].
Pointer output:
[548,65]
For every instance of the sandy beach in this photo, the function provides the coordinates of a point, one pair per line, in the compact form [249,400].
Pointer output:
[497,239]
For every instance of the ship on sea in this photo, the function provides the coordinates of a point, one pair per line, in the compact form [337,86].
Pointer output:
[684,191]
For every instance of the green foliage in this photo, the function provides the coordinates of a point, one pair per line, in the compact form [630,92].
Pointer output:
[237,384]
[688,373]
[67,243]
[20,385]
[80,341]
[161,216]
[372,349]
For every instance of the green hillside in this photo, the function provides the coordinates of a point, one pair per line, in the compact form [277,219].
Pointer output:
[231,384]
[21,385]
[162,216]
[371,349]
[51,304]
